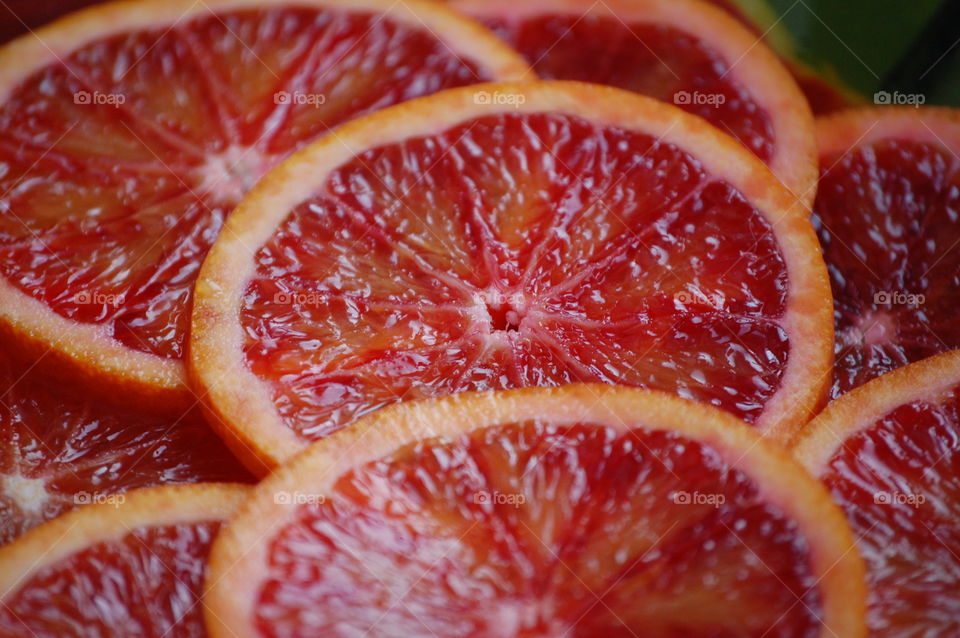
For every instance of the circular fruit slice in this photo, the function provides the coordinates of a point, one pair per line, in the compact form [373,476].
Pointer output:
[889,452]
[586,510]
[684,52]
[504,236]
[60,449]
[129,130]
[886,214]
[132,566]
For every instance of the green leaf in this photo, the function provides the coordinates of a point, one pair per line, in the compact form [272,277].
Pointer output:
[869,44]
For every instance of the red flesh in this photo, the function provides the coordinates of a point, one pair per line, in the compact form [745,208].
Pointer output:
[899,483]
[525,250]
[108,210]
[888,218]
[594,542]
[72,445]
[147,584]
[647,58]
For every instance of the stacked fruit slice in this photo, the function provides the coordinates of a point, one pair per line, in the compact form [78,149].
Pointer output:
[577,511]
[504,236]
[60,449]
[130,566]
[127,141]
[429,220]
[889,453]
[683,52]
[887,217]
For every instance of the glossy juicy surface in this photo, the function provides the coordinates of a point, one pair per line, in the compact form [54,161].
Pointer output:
[899,483]
[59,450]
[532,530]
[146,584]
[516,251]
[118,166]
[648,58]
[888,218]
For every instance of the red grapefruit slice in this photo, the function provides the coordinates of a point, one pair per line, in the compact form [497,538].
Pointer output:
[886,214]
[504,236]
[575,511]
[60,449]
[889,452]
[684,52]
[129,130]
[131,567]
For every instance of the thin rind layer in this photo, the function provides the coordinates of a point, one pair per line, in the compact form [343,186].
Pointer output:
[862,407]
[170,505]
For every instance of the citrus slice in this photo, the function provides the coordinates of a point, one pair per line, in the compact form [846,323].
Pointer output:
[685,52]
[130,567]
[586,510]
[889,452]
[60,449]
[886,214]
[129,130]
[503,236]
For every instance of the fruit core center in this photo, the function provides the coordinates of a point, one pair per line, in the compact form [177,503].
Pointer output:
[504,312]
[28,494]
[228,176]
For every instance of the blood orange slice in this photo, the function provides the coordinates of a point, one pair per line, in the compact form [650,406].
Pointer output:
[889,452]
[685,52]
[60,449]
[130,567]
[575,511]
[130,130]
[886,214]
[503,236]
